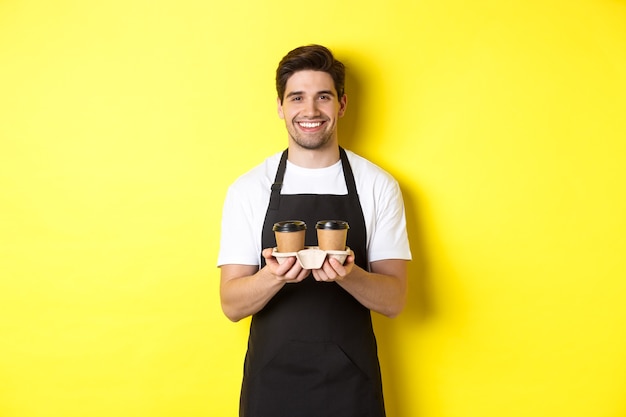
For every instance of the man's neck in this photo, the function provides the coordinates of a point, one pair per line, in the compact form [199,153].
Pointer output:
[313,158]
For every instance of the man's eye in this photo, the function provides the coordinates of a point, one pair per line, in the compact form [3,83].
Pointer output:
[296,98]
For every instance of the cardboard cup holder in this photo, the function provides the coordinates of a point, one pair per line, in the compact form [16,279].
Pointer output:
[312,257]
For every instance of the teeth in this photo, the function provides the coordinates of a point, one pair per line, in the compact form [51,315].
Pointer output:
[310,125]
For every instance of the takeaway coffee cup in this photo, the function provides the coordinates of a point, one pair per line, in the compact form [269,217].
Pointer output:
[289,235]
[332,234]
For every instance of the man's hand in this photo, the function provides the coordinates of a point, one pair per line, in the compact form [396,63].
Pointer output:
[383,289]
[246,289]
[290,271]
[333,270]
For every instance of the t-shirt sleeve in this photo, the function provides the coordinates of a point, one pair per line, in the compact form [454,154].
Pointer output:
[389,238]
[238,238]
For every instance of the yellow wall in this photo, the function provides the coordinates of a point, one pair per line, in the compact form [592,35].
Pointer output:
[122,122]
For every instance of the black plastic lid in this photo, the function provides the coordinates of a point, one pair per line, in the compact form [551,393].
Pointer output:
[289,226]
[332,224]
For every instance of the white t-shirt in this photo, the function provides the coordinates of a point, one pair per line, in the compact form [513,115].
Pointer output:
[248,197]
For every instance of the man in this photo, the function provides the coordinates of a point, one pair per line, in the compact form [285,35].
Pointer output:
[311,349]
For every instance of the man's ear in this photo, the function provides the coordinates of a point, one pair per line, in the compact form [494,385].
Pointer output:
[343,103]
[279,105]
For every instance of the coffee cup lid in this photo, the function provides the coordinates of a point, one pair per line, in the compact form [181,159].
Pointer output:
[289,226]
[332,224]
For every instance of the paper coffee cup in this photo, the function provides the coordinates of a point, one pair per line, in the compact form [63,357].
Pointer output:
[332,234]
[289,235]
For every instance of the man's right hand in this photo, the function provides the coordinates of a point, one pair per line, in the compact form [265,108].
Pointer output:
[246,289]
[290,271]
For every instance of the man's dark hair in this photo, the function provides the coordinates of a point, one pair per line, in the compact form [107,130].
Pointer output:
[310,57]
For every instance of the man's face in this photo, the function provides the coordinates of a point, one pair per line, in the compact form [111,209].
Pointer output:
[311,109]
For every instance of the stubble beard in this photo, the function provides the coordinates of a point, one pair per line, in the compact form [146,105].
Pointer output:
[310,142]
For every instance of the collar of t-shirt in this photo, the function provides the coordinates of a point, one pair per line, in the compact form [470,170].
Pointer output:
[328,180]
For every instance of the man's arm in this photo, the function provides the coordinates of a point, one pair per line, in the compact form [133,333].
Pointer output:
[383,290]
[246,289]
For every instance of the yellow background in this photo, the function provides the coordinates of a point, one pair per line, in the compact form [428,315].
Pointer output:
[122,123]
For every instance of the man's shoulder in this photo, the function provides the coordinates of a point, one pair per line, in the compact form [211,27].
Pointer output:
[261,174]
[363,167]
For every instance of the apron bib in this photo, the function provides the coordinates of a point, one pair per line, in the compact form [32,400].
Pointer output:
[312,350]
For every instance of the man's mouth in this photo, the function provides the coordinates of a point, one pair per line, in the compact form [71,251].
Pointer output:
[309,125]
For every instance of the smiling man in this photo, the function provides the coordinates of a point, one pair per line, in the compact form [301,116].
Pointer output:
[311,109]
[312,349]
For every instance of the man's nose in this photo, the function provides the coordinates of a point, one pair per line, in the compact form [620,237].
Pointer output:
[311,108]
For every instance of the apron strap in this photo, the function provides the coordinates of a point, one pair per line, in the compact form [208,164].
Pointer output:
[347,173]
[278,182]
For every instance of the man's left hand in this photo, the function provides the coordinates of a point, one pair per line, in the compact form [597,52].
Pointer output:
[333,270]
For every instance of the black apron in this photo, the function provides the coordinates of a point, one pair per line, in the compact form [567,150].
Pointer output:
[312,350]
